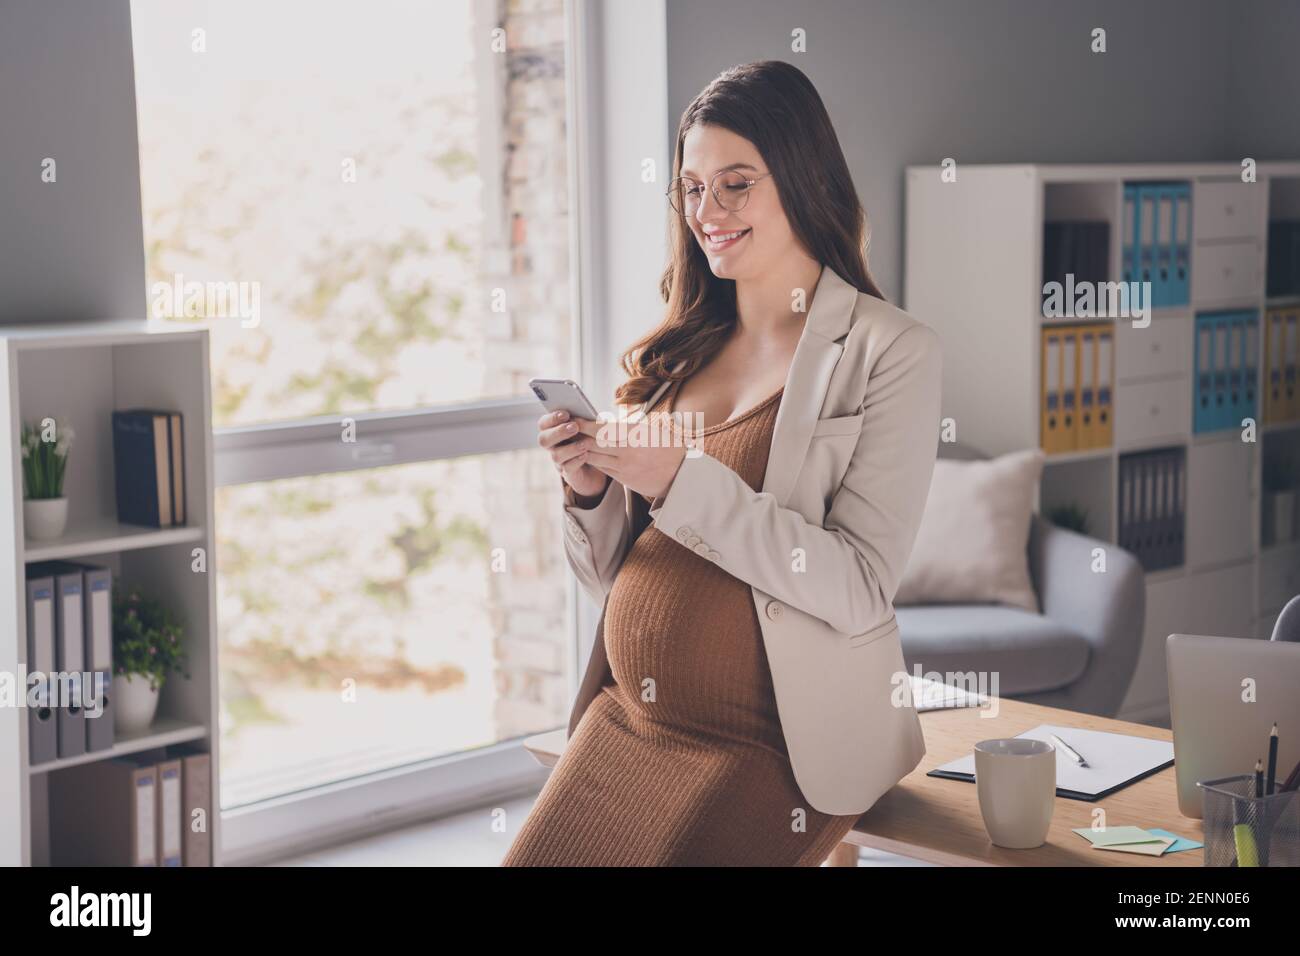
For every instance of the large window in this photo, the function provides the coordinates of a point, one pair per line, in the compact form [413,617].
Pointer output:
[366,205]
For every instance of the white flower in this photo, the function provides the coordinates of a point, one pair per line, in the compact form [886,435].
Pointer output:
[64,436]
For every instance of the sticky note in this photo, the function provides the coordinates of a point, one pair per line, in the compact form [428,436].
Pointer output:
[1180,843]
[1146,849]
[1113,835]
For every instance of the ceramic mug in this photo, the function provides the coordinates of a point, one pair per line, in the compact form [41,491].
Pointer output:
[1016,781]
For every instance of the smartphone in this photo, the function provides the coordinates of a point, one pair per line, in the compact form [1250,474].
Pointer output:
[558,394]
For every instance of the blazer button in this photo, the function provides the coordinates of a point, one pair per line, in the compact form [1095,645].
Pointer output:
[683,533]
[714,556]
[693,541]
[774,610]
[702,549]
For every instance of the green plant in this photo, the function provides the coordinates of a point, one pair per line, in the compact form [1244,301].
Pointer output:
[45,458]
[147,638]
[1069,516]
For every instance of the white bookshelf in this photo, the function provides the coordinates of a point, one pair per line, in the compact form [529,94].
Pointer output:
[83,373]
[974,257]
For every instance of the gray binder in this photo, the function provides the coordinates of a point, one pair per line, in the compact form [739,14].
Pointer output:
[42,728]
[99,655]
[196,820]
[171,813]
[104,813]
[70,657]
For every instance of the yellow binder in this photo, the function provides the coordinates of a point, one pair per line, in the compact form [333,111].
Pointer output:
[1105,368]
[1070,388]
[1060,389]
[1050,414]
[1087,345]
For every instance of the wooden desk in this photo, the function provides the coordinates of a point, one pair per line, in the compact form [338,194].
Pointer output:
[938,820]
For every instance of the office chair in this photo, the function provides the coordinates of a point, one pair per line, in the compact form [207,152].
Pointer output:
[1287,627]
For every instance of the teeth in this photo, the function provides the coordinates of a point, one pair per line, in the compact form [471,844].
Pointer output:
[723,238]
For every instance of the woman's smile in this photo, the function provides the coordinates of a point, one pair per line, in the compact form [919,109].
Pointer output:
[724,240]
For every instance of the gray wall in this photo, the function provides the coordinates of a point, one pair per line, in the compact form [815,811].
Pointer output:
[1264,80]
[73,249]
[906,82]
[909,82]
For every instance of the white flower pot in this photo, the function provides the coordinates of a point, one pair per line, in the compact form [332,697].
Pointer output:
[134,704]
[45,518]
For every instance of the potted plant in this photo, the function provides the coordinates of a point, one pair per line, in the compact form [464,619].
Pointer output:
[45,460]
[1069,516]
[147,647]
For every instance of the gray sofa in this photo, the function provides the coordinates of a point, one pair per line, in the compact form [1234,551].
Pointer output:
[1079,653]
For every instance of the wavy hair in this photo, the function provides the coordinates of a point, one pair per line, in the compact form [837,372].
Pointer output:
[774,106]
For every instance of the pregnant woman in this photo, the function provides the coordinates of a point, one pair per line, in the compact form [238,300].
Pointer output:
[746,698]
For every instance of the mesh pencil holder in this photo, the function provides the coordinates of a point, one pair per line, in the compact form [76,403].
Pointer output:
[1244,830]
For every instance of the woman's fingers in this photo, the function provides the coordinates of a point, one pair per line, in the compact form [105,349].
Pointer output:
[599,454]
[550,437]
[573,465]
[589,427]
[562,454]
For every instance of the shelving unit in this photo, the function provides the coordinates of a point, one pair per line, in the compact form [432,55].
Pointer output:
[81,374]
[974,257]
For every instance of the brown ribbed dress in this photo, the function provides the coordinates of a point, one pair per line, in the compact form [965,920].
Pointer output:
[681,760]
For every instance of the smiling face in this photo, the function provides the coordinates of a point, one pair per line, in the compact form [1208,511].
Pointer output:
[766,238]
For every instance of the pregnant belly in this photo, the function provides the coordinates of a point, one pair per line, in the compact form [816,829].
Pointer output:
[684,642]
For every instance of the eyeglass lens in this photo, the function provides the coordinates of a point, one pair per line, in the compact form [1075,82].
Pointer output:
[730,188]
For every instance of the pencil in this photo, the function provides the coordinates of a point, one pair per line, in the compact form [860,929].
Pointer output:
[1272,760]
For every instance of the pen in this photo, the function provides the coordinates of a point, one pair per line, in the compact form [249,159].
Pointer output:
[1259,778]
[1272,760]
[1069,751]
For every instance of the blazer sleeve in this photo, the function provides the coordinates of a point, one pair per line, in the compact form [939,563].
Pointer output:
[854,561]
[595,539]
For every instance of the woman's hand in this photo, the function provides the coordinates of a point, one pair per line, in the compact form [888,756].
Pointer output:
[625,453]
[571,459]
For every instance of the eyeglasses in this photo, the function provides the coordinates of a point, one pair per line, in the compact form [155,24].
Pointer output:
[729,187]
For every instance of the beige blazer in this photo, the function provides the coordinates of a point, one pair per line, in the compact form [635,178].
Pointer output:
[823,545]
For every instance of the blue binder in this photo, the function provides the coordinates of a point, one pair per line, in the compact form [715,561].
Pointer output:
[1203,380]
[1180,291]
[1129,235]
[1222,412]
[1146,236]
[1162,287]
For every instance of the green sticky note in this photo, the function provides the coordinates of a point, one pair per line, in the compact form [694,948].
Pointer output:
[1148,849]
[1112,836]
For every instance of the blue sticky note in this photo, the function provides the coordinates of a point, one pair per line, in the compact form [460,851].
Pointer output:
[1180,843]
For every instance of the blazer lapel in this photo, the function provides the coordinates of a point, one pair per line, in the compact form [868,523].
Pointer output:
[638,411]
[814,361]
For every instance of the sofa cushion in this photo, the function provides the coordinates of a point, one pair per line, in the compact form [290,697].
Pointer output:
[970,546]
[1030,652]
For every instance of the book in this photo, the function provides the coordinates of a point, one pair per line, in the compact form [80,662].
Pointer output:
[149,467]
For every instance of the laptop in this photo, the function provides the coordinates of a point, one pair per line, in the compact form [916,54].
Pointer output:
[1224,695]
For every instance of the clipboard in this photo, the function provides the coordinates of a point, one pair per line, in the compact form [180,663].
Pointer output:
[1115,761]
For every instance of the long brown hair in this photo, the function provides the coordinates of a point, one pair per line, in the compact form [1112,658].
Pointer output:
[774,106]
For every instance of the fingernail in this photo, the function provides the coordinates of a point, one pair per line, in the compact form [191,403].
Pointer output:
[561,416]
[571,427]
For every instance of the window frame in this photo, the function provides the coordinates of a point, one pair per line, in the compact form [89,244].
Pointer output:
[381,800]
